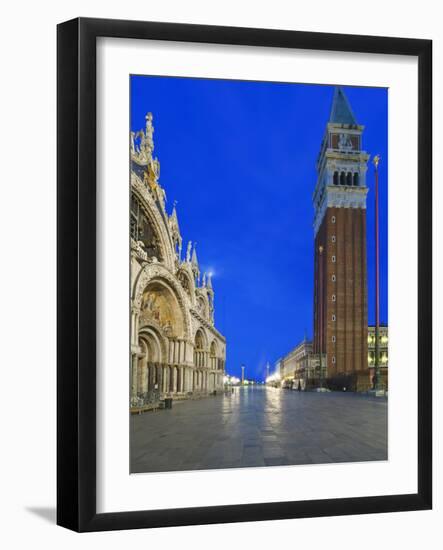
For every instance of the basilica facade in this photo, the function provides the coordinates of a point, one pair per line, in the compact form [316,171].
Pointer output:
[176,350]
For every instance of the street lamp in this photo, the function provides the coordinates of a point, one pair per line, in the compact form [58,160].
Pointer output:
[377,377]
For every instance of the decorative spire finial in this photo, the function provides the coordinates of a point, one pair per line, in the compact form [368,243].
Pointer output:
[150,132]
[194,255]
[174,212]
[188,251]
[142,146]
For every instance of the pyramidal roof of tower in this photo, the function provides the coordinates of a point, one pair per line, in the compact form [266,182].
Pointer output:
[341,112]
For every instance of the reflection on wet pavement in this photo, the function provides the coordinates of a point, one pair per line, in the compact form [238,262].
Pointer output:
[258,426]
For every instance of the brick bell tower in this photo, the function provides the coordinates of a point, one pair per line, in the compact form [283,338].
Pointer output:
[340,284]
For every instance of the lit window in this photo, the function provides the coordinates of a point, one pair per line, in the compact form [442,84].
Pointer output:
[334,278]
[333,259]
[334,297]
[333,238]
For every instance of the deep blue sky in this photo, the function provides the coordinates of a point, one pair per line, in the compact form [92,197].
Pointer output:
[239,158]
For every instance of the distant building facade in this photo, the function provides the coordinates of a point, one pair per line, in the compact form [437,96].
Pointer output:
[299,368]
[383,352]
[340,258]
[176,350]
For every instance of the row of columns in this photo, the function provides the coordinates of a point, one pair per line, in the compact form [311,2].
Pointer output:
[204,359]
[177,350]
[135,314]
[171,379]
[201,358]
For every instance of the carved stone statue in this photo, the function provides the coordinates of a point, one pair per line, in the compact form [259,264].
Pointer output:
[156,168]
[149,132]
[188,251]
[344,142]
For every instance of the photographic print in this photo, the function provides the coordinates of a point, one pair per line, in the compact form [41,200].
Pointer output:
[259,274]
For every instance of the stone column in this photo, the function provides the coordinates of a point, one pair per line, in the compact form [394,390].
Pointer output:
[171,351]
[175,351]
[136,321]
[151,378]
[132,327]
[134,375]
[158,377]
[165,379]
[144,375]
[148,376]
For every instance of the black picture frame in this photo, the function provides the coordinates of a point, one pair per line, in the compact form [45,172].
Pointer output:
[76,274]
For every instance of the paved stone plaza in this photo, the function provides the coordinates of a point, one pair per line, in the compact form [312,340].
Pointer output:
[260,427]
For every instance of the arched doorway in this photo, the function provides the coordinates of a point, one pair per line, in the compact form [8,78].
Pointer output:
[199,349]
[213,355]
[160,339]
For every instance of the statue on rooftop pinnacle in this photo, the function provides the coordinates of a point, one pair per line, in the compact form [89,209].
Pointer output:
[188,251]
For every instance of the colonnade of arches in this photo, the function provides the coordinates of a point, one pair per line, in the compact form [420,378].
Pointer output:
[166,359]
[151,373]
[346,178]
[170,379]
[206,356]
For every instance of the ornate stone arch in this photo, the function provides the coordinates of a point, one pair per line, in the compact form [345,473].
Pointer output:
[202,304]
[154,343]
[201,347]
[205,340]
[187,281]
[213,348]
[159,223]
[157,273]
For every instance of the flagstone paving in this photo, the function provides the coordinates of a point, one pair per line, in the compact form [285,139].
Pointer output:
[258,426]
